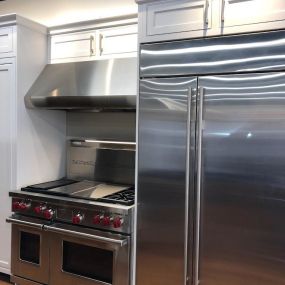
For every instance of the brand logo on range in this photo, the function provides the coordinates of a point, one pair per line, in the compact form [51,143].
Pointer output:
[83,162]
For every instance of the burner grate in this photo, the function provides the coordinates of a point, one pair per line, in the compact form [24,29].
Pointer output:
[125,197]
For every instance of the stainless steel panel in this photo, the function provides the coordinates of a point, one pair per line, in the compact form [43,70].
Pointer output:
[89,85]
[65,208]
[104,161]
[242,238]
[242,53]
[162,225]
[107,125]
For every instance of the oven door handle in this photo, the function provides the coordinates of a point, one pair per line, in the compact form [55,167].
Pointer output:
[23,222]
[121,242]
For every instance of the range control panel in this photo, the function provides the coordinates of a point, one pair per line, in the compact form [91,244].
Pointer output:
[97,217]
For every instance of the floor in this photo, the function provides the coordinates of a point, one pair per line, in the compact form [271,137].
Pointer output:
[4,279]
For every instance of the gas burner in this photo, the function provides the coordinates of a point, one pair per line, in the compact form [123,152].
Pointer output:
[125,197]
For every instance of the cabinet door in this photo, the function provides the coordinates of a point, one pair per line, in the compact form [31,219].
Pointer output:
[7,97]
[73,45]
[245,12]
[166,17]
[121,40]
[6,40]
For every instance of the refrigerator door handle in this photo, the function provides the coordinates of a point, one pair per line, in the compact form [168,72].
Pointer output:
[188,159]
[200,98]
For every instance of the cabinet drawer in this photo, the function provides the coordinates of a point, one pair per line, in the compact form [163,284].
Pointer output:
[73,45]
[6,41]
[178,16]
[245,12]
[119,40]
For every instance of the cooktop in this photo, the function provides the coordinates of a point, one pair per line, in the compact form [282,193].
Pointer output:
[86,189]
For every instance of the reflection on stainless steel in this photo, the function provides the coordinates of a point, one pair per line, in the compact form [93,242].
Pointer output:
[91,85]
[215,55]
[214,48]
[162,212]
[228,146]
[242,235]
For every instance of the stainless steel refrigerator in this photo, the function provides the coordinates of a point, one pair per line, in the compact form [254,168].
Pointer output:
[211,161]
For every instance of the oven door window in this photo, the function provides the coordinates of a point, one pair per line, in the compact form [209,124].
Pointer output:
[30,247]
[87,261]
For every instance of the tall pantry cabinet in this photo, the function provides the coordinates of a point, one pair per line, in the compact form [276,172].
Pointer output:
[31,142]
[7,114]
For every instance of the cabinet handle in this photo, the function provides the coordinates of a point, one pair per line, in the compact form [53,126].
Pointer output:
[223,11]
[101,44]
[92,50]
[207,13]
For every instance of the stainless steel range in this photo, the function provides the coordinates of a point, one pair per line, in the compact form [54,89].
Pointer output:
[77,230]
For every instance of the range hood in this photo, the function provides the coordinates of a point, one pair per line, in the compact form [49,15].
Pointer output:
[92,85]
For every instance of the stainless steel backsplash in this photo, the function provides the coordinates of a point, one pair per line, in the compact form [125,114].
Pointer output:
[110,126]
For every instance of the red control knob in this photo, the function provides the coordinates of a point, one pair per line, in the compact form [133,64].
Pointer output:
[23,206]
[48,214]
[106,221]
[39,209]
[77,219]
[16,206]
[97,219]
[117,223]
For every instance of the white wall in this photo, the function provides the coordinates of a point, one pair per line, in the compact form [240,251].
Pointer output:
[57,12]
[41,134]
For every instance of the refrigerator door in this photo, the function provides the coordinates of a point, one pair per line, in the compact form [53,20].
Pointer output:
[163,186]
[242,197]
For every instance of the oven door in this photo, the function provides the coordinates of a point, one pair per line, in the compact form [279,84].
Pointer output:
[88,257]
[30,253]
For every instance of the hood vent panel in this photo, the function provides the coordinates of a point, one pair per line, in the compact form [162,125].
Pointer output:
[92,85]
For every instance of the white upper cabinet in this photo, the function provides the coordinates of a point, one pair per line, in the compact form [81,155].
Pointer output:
[73,45]
[118,40]
[6,41]
[175,19]
[246,12]
[165,17]
[163,20]
[94,40]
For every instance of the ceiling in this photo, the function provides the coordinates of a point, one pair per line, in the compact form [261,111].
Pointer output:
[58,12]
